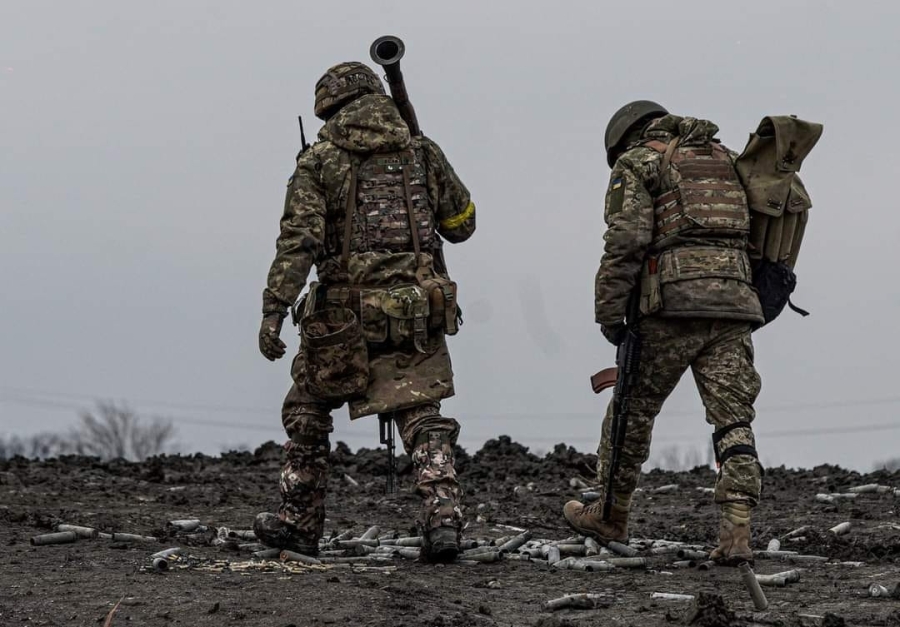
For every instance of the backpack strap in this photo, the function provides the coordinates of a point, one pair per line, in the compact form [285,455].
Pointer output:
[348,219]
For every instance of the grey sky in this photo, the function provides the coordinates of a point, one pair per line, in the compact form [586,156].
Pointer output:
[146,148]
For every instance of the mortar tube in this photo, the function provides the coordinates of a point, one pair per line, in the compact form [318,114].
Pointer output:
[184,525]
[62,537]
[622,549]
[688,554]
[291,556]
[591,547]
[166,553]
[707,565]
[841,529]
[371,533]
[759,598]
[268,554]
[628,562]
[82,532]
[515,542]
[774,545]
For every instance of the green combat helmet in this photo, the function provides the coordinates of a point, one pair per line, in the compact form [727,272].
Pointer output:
[342,83]
[624,119]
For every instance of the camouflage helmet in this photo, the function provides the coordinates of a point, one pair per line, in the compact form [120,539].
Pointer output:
[624,119]
[342,83]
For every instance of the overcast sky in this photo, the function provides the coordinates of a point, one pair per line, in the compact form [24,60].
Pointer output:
[146,147]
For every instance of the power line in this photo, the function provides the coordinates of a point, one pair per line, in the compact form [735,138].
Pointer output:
[211,422]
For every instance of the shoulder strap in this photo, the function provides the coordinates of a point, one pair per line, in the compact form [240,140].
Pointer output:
[348,219]
[667,157]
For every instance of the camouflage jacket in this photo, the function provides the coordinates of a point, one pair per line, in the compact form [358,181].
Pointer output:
[635,186]
[316,201]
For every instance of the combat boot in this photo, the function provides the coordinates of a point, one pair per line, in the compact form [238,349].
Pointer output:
[588,519]
[734,536]
[272,531]
[440,519]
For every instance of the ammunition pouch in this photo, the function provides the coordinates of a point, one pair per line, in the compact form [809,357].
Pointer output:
[442,304]
[335,354]
[396,316]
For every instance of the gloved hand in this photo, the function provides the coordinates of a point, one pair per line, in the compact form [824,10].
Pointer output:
[613,333]
[270,344]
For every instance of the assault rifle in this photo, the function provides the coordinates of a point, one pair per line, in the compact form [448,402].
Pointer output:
[386,428]
[623,377]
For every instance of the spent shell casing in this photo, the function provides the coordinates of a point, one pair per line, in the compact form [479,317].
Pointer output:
[409,553]
[292,556]
[354,542]
[572,549]
[773,555]
[774,545]
[552,554]
[515,542]
[371,533]
[242,534]
[579,601]
[81,532]
[800,559]
[627,562]
[166,553]
[670,596]
[132,537]
[268,554]
[707,565]
[61,537]
[870,488]
[622,549]
[756,593]
[160,564]
[877,590]
[684,564]
[773,581]
[591,547]
[841,529]
[799,531]
[184,525]
[485,557]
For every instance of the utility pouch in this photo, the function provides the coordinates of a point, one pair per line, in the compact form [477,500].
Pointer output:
[651,294]
[406,307]
[372,317]
[442,304]
[335,354]
[774,283]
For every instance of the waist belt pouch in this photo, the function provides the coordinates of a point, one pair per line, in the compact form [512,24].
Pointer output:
[774,282]
[372,317]
[406,307]
[442,305]
[337,360]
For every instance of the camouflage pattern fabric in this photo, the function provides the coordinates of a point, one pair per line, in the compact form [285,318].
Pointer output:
[316,202]
[710,281]
[720,356]
[427,437]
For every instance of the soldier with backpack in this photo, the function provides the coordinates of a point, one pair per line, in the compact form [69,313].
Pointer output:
[677,275]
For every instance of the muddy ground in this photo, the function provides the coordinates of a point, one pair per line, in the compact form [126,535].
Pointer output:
[79,583]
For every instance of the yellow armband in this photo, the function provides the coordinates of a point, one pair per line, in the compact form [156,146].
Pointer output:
[459,219]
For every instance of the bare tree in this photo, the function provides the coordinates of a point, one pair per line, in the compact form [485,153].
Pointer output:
[888,464]
[115,431]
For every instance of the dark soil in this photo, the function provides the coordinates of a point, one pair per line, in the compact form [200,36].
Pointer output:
[505,486]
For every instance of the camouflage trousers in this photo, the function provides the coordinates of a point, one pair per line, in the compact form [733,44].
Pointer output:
[720,356]
[428,439]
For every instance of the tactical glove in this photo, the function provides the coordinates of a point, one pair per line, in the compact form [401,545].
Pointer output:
[270,344]
[613,333]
